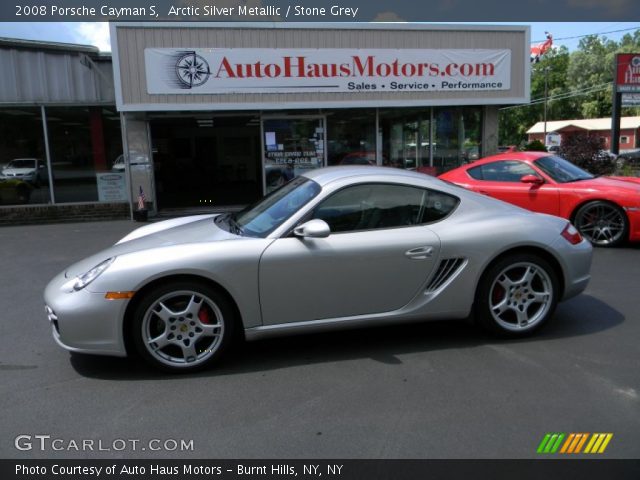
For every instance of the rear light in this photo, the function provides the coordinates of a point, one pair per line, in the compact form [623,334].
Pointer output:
[571,234]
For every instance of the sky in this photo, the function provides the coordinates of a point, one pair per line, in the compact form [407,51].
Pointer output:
[97,33]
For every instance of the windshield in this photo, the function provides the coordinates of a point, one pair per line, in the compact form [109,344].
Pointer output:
[262,218]
[561,170]
[22,163]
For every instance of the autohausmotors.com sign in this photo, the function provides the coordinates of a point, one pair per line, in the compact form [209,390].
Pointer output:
[266,70]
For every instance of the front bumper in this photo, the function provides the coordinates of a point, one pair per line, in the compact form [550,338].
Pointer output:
[83,321]
[29,177]
[633,213]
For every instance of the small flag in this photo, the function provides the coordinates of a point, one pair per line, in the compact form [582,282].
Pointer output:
[541,48]
[141,199]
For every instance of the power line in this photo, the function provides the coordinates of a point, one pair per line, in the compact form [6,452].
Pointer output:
[590,34]
[571,92]
[562,96]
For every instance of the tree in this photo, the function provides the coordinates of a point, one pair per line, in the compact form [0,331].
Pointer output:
[591,66]
[514,122]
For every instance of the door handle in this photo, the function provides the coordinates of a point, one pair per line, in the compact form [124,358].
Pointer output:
[419,253]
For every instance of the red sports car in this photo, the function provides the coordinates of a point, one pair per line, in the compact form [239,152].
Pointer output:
[606,210]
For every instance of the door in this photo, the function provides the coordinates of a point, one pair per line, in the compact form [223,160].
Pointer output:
[502,180]
[376,259]
[204,159]
[406,140]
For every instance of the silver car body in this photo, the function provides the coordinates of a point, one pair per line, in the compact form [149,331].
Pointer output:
[285,284]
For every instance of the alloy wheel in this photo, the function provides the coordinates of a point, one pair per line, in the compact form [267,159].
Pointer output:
[183,328]
[601,223]
[520,296]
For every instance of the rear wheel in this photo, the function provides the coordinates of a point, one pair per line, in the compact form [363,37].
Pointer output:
[602,223]
[517,295]
[182,326]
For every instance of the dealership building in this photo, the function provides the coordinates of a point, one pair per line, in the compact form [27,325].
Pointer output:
[220,114]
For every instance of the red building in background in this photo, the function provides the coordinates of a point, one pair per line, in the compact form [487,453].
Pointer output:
[600,127]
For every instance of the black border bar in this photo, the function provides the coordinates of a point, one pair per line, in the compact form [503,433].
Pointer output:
[319,11]
[583,469]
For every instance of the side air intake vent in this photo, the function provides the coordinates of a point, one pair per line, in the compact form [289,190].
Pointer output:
[447,268]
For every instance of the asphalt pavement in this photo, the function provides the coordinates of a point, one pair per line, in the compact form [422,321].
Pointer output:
[433,390]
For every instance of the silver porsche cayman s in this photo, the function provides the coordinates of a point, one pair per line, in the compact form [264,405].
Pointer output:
[339,247]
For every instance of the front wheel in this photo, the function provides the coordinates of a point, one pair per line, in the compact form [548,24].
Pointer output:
[602,223]
[517,295]
[182,326]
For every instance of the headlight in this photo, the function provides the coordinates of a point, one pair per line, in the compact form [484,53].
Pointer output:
[88,277]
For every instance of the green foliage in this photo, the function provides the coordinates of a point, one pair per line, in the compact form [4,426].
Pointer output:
[588,70]
[535,146]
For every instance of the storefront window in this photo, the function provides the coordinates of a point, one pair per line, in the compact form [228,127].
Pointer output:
[458,136]
[406,138]
[24,175]
[351,137]
[84,142]
[292,145]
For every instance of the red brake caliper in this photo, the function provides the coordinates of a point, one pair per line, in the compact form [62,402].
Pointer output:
[203,315]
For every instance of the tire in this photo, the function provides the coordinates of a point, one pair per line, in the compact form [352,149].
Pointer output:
[602,223]
[517,295]
[182,326]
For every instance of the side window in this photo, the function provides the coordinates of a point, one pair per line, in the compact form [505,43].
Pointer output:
[502,171]
[379,206]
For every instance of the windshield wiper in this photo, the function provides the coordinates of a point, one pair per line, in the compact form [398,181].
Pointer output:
[234,225]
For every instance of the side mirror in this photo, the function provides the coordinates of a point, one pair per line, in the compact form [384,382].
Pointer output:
[313,229]
[533,179]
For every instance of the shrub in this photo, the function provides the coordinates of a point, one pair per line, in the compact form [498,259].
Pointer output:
[587,152]
[535,146]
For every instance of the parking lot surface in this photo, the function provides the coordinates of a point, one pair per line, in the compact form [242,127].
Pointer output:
[432,390]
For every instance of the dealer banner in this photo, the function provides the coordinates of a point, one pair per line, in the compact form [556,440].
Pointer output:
[267,70]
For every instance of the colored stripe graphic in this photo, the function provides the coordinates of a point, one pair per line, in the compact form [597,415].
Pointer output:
[550,443]
[568,442]
[573,443]
[543,443]
[581,442]
[598,443]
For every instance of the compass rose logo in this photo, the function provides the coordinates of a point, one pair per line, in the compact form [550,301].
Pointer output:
[192,70]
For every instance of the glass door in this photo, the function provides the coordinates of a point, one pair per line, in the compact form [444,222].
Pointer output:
[406,139]
[291,145]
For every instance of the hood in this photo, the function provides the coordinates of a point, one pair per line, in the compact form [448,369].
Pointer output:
[599,183]
[633,180]
[193,229]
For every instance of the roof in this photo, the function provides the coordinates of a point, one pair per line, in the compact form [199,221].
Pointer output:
[585,124]
[526,155]
[41,45]
[326,175]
